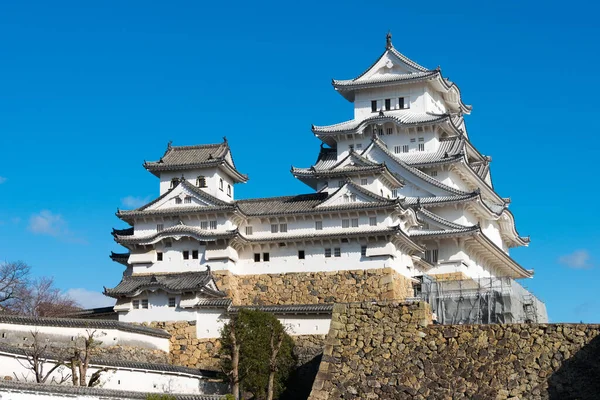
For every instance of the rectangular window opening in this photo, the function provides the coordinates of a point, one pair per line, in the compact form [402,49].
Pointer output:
[274,228]
[266,257]
[248,230]
[301,254]
[355,222]
[363,251]
[186,255]
[373,105]
[319,225]
[145,303]
[204,225]
[195,254]
[172,302]
[136,304]
[327,253]
[345,223]
[337,252]
[256,257]
[388,104]
[213,225]
[159,256]
[373,221]
[283,228]
[364,181]
[159,227]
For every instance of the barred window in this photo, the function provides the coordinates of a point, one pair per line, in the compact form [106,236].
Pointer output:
[177,200]
[136,304]
[266,257]
[363,251]
[204,225]
[354,222]
[201,181]
[159,227]
[145,303]
[319,225]
[337,252]
[364,181]
[172,302]
[373,221]
[274,228]
[282,227]
[187,200]
[256,257]
[213,225]
[405,148]
[431,255]
[345,223]
[327,253]
[248,230]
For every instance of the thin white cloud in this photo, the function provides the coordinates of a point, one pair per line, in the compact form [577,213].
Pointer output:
[2,179]
[47,223]
[134,202]
[579,259]
[50,224]
[90,299]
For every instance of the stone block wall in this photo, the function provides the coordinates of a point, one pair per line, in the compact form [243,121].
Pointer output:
[189,351]
[390,351]
[315,287]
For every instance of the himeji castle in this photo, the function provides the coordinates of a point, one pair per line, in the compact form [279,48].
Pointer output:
[402,205]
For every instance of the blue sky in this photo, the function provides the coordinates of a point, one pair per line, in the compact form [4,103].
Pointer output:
[89,90]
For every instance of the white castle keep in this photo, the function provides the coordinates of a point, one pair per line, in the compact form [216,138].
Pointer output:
[400,186]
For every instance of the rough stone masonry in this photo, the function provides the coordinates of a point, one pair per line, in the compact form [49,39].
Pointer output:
[390,350]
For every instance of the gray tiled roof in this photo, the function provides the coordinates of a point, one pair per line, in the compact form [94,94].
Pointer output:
[404,117]
[281,205]
[82,323]
[173,283]
[440,200]
[449,150]
[358,83]
[441,233]
[437,220]
[177,230]
[72,391]
[121,258]
[198,156]
[288,309]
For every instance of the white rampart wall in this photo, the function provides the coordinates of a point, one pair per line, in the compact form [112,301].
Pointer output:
[117,378]
[14,334]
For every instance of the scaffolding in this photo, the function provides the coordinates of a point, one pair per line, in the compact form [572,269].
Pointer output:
[480,301]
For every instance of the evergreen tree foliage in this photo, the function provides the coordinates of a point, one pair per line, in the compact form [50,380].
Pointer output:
[266,356]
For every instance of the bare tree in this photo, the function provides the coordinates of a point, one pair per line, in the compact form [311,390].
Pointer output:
[80,359]
[38,359]
[13,279]
[40,298]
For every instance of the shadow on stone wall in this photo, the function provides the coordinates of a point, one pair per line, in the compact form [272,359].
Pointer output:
[300,382]
[579,376]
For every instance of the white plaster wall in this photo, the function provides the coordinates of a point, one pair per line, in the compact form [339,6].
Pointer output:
[158,309]
[107,337]
[413,93]
[117,378]
[212,181]
[209,324]
[453,257]
[148,227]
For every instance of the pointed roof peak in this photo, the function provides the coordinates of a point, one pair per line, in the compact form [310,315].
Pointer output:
[388,40]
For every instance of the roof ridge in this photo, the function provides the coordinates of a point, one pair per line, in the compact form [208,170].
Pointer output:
[276,197]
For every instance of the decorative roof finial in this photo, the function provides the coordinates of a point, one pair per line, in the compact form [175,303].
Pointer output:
[169,144]
[224,139]
[388,40]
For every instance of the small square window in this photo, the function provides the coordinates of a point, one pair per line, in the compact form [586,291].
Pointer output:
[397,149]
[364,181]
[159,227]
[327,253]
[350,147]
[319,225]
[248,230]
[172,302]
[201,181]
[256,257]
[274,228]
[358,146]
[204,225]
[187,200]
[413,140]
[213,225]
[354,222]
[221,184]
[433,173]
[373,221]
[337,252]
[301,254]
[373,105]
[195,254]
[186,255]
[282,227]
[401,103]
[177,200]
[136,304]
[421,146]
[421,139]
[341,183]
[363,251]
[388,104]
[389,131]
[145,303]
[405,148]
[394,193]
[229,190]
[345,223]
[266,257]
[159,256]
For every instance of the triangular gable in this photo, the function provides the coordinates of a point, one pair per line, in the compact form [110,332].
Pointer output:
[378,153]
[354,159]
[351,194]
[436,222]
[183,189]
[387,65]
